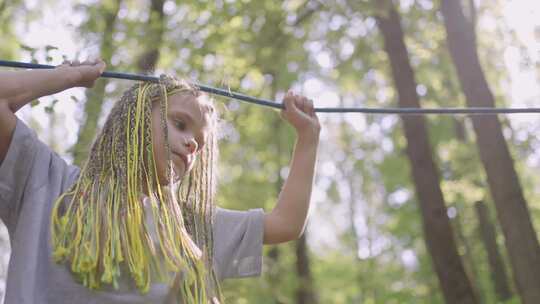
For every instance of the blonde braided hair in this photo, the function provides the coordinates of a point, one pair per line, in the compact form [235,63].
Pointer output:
[99,223]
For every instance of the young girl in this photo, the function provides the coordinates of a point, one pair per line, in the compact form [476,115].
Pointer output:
[137,223]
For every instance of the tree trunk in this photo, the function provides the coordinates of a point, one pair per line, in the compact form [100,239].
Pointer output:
[496,265]
[273,258]
[467,256]
[155,30]
[304,294]
[440,242]
[352,185]
[520,237]
[95,96]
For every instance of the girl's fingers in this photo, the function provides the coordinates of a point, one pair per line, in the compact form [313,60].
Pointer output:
[91,61]
[306,105]
[76,62]
[305,102]
[311,108]
[287,100]
[299,103]
[101,65]
[97,62]
[290,103]
[71,62]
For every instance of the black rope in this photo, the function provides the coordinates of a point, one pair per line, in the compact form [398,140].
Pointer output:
[273,104]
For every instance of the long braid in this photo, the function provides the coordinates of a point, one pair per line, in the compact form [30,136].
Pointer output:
[98,225]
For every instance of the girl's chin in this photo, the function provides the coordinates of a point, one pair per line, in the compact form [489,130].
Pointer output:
[177,177]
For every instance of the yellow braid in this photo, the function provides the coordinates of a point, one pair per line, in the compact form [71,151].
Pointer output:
[98,226]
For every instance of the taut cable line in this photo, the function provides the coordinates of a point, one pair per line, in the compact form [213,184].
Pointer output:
[273,104]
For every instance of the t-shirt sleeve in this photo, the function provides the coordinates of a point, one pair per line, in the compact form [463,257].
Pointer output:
[28,165]
[238,241]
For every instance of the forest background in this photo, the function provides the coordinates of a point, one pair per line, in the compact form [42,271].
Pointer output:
[403,207]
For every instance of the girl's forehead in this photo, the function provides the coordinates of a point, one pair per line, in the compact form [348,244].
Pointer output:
[187,104]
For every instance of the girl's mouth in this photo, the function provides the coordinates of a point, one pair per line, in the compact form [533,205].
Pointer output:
[183,158]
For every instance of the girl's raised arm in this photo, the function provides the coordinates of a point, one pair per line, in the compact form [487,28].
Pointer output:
[17,88]
[286,222]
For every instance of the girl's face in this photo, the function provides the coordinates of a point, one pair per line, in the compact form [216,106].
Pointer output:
[187,121]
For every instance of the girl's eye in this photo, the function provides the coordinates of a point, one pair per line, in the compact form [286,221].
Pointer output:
[180,124]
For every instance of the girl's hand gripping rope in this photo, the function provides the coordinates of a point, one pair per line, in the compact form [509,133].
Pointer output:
[83,74]
[300,113]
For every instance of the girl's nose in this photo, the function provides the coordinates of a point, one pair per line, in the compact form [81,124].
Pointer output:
[191,144]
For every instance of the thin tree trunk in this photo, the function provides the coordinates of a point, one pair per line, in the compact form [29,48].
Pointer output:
[353,213]
[440,242]
[274,272]
[95,96]
[347,175]
[155,31]
[520,237]
[468,260]
[305,293]
[470,267]
[496,265]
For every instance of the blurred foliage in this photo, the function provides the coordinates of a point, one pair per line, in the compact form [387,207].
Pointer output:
[365,238]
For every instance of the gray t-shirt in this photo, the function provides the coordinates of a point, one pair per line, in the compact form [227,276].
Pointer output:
[32,176]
